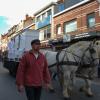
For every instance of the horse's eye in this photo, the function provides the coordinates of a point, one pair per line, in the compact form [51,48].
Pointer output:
[97,43]
[92,50]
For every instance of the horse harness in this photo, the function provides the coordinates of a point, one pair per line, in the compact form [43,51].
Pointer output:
[79,63]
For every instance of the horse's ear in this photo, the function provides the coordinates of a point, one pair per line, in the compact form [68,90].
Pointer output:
[94,41]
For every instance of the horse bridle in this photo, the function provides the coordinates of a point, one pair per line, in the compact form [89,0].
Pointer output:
[91,51]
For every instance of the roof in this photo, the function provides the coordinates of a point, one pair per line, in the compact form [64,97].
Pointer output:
[80,37]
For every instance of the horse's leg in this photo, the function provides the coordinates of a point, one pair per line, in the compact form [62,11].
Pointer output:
[87,88]
[66,85]
[51,88]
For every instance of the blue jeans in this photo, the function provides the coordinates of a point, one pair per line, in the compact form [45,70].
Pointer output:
[33,92]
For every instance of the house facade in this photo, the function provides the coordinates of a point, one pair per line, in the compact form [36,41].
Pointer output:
[76,18]
[43,22]
[4,41]
[27,23]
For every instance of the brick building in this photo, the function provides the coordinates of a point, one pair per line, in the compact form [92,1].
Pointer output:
[76,17]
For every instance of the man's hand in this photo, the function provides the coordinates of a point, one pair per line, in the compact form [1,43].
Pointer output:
[20,88]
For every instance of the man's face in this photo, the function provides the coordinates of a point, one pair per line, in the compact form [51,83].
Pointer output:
[36,46]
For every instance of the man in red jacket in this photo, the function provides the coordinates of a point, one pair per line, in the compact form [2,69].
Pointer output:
[33,72]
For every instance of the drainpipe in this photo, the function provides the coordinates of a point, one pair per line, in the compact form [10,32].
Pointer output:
[99,6]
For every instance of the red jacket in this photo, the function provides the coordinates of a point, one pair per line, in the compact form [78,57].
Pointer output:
[32,71]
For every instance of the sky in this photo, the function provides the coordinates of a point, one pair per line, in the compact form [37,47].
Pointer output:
[13,11]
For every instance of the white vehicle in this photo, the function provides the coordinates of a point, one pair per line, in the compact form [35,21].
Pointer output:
[21,43]
[17,46]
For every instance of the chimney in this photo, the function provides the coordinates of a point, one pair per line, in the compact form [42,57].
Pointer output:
[27,16]
[60,1]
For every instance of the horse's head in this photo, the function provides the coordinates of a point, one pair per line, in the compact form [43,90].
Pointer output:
[90,59]
[94,53]
[90,54]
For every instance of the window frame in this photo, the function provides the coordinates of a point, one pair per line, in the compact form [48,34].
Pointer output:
[91,15]
[57,26]
[68,22]
[49,12]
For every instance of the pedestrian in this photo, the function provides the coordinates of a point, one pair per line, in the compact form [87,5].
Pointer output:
[33,72]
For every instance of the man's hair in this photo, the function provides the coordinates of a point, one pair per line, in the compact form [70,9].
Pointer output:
[35,41]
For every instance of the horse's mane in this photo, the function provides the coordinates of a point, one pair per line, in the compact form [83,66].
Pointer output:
[81,45]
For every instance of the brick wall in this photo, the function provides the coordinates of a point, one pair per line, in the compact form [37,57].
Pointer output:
[80,14]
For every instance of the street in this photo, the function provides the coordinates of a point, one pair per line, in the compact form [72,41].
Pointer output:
[8,90]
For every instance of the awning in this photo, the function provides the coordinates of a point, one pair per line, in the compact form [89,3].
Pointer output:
[79,37]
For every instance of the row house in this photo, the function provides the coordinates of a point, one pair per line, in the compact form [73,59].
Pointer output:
[43,22]
[23,30]
[75,18]
[4,41]
[62,19]
[0,42]
[11,32]
[27,23]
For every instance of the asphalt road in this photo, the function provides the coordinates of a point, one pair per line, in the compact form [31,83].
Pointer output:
[8,90]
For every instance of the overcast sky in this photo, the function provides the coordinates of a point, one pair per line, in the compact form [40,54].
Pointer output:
[12,11]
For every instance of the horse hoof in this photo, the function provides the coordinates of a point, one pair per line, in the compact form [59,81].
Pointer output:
[67,98]
[81,90]
[89,95]
[51,90]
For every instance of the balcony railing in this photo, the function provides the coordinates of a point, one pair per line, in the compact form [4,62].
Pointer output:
[44,22]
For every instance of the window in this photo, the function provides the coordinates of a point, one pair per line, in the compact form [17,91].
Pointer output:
[91,20]
[70,26]
[59,29]
[61,6]
[41,35]
[38,18]
[47,33]
[43,16]
[19,38]
[49,12]
[33,20]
